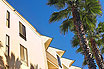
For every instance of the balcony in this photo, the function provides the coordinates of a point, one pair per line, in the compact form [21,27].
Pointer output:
[52,61]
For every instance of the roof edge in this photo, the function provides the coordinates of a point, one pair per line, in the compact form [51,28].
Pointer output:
[71,63]
[21,17]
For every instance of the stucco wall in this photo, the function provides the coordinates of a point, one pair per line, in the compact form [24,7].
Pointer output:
[34,45]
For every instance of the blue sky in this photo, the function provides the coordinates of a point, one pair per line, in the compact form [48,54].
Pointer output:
[38,13]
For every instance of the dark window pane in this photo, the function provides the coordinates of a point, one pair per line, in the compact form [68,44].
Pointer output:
[22,30]
[59,62]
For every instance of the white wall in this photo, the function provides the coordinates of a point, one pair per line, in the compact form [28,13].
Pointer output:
[33,44]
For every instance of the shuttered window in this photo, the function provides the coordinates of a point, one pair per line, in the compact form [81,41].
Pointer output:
[22,30]
[8,19]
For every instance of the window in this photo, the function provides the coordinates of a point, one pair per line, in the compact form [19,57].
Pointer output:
[7,45]
[59,62]
[23,53]
[8,19]
[22,30]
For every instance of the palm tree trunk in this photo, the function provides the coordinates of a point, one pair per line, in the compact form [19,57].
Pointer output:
[83,40]
[97,54]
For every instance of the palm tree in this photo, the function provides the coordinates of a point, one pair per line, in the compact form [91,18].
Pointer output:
[94,50]
[94,38]
[69,10]
[34,66]
[12,62]
[1,63]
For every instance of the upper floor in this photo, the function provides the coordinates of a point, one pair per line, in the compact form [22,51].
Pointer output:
[19,37]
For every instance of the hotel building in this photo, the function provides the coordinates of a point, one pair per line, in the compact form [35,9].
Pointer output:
[22,47]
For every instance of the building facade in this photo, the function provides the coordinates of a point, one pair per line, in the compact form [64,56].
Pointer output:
[21,46]
[56,61]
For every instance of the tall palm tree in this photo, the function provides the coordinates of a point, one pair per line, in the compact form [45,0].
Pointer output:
[94,50]
[69,10]
[95,39]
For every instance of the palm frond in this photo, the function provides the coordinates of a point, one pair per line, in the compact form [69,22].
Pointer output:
[57,3]
[100,28]
[57,16]
[102,50]
[67,25]
[75,41]
[79,50]
[93,7]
